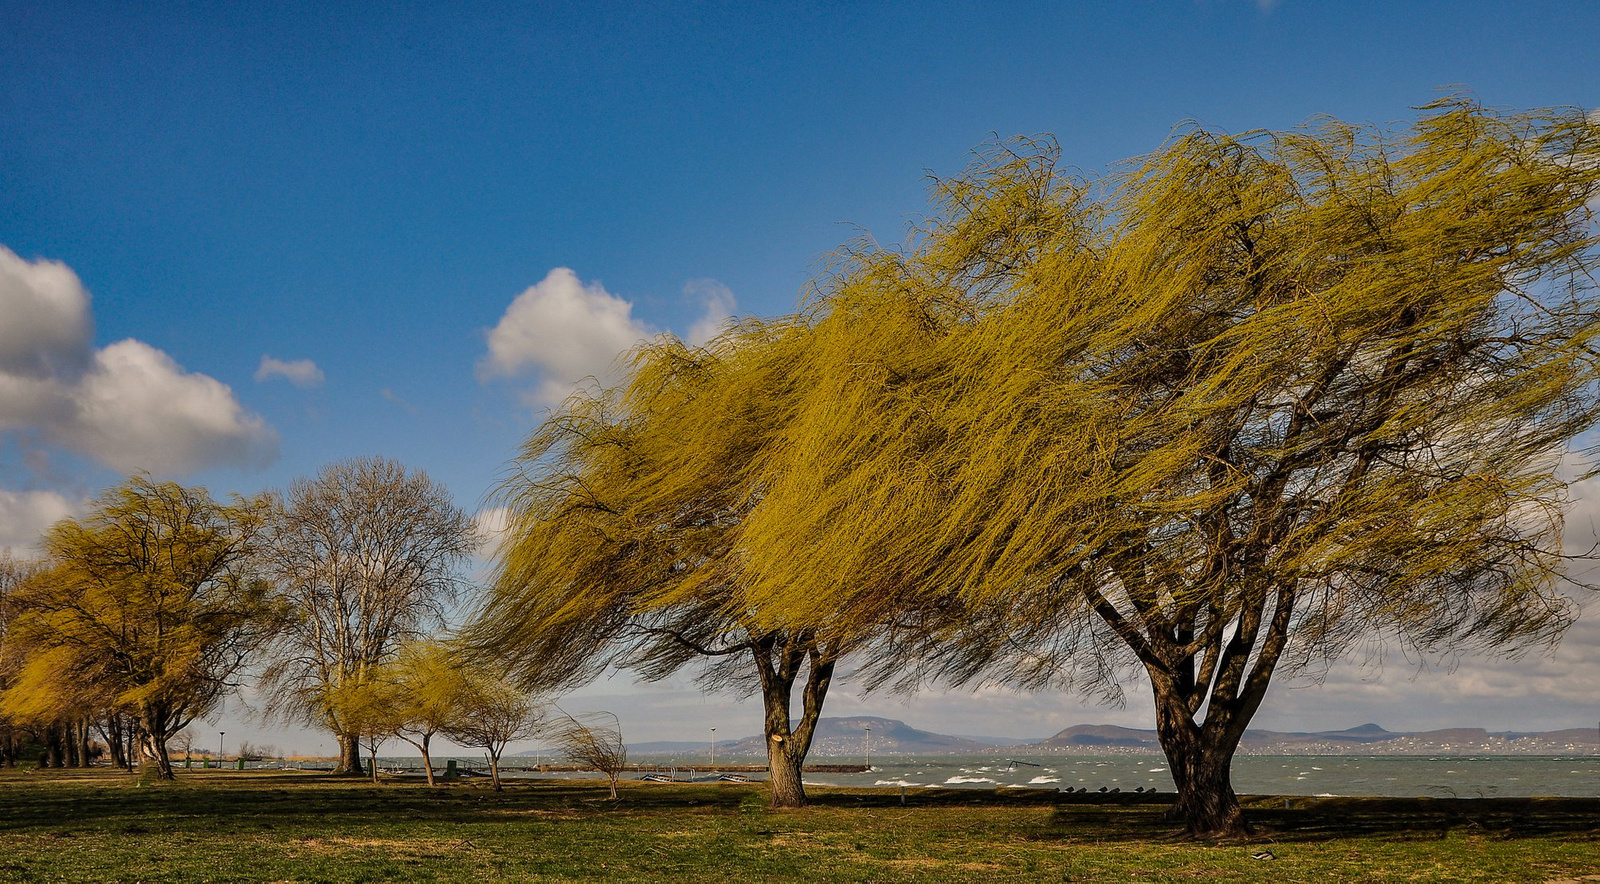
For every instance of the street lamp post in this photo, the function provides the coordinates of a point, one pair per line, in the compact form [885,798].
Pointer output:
[220,735]
[713,747]
[869,747]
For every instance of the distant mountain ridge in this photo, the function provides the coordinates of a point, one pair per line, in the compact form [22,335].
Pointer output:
[847,736]
[1366,738]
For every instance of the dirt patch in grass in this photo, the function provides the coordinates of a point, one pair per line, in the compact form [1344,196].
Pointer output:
[393,847]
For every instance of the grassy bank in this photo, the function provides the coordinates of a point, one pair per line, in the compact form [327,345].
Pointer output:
[273,826]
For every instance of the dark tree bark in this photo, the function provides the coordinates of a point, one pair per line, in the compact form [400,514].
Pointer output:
[154,748]
[349,757]
[111,729]
[132,733]
[54,750]
[85,751]
[788,741]
[1200,760]
[77,753]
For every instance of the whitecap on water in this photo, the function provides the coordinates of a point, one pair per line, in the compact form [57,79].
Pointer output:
[1155,770]
[953,780]
[895,783]
[1041,780]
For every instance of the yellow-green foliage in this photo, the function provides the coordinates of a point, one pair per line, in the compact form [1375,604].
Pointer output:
[624,515]
[1326,371]
[146,604]
[1241,402]
[428,680]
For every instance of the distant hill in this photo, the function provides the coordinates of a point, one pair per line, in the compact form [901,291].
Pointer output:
[847,737]
[835,737]
[1365,739]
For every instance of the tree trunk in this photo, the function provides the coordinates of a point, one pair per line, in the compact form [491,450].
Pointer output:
[1206,801]
[54,752]
[154,746]
[132,733]
[349,756]
[784,772]
[69,740]
[494,769]
[788,745]
[111,729]
[85,751]
[427,762]
[1200,758]
[373,752]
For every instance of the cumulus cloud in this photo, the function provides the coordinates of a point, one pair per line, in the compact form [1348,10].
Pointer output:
[48,329]
[300,372]
[717,302]
[489,526]
[564,330]
[24,515]
[128,406]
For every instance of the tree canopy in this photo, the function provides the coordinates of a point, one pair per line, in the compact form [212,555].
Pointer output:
[149,603]
[1230,409]
[625,510]
[364,557]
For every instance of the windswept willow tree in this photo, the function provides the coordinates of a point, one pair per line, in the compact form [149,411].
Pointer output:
[149,603]
[624,517]
[364,556]
[1224,415]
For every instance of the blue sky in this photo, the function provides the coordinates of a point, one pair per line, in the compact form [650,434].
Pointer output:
[374,189]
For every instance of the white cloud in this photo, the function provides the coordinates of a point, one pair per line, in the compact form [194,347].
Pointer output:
[717,301]
[128,406]
[489,526]
[47,330]
[300,372]
[564,330]
[24,515]
[138,409]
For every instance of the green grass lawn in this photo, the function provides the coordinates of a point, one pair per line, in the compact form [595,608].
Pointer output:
[271,826]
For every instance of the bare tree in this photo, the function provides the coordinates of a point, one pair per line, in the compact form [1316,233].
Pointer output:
[365,556]
[594,742]
[183,741]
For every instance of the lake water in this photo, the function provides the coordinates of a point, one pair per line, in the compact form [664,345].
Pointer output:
[1440,776]
[1390,776]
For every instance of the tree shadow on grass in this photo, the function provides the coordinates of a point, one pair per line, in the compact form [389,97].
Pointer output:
[217,802]
[1308,820]
[1330,819]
